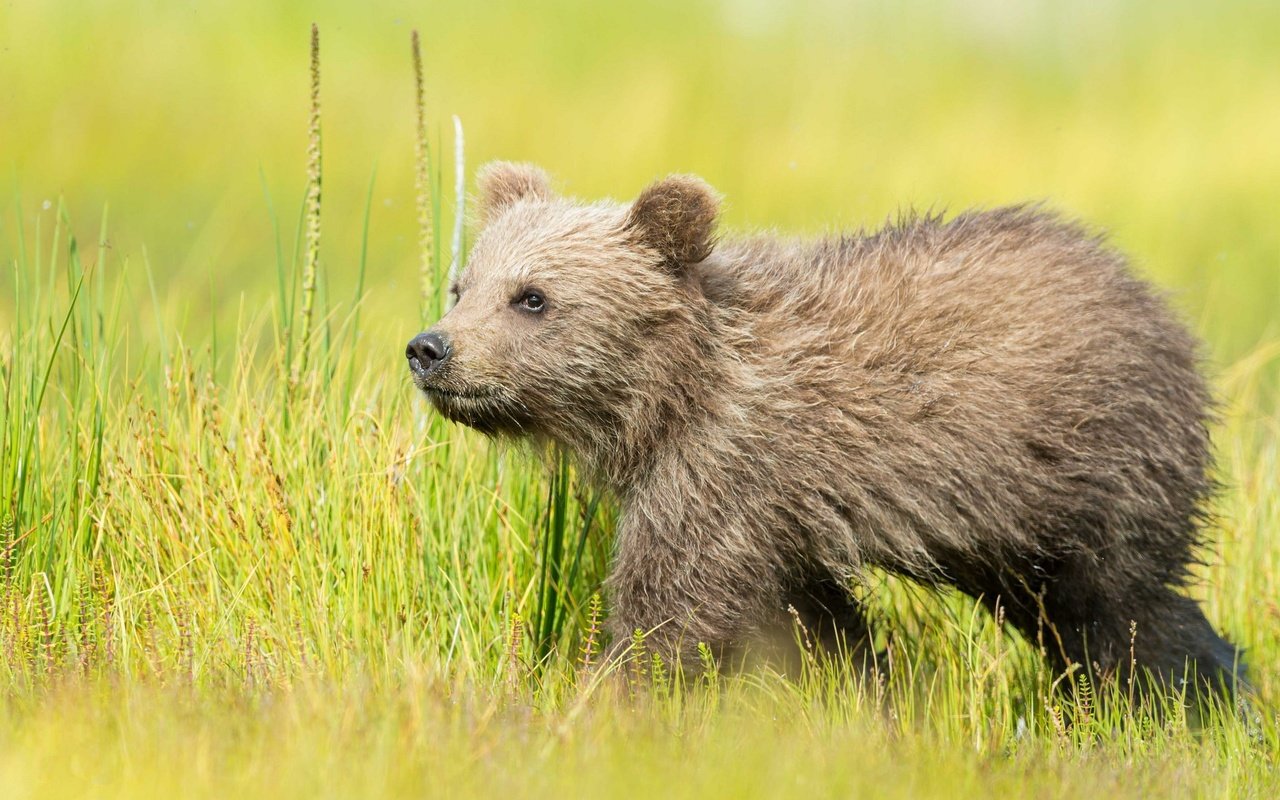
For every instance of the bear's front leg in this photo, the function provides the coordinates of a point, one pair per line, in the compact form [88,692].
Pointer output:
[684,586]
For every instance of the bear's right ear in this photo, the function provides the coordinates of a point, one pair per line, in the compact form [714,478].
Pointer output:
[676,217]
[502,183]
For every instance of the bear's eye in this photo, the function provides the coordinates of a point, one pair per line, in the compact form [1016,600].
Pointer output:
[531,300]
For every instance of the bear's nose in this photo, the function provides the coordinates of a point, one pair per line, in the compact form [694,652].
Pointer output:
[426,352]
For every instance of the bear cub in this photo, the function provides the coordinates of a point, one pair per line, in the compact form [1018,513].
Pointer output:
[993,402]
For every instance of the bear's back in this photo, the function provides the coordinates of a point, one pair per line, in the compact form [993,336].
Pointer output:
[1003,291]
[963,358]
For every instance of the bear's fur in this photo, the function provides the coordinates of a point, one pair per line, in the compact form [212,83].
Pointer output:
[993,402]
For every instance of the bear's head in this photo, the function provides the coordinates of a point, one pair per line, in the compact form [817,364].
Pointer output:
[569,319]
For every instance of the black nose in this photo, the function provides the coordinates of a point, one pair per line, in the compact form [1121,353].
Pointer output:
[426,352]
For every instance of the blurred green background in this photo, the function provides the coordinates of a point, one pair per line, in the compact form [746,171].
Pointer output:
[1159,121]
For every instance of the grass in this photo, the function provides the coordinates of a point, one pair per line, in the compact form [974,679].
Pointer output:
[239,555]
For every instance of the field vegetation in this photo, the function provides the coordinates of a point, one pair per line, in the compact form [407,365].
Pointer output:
[239,556]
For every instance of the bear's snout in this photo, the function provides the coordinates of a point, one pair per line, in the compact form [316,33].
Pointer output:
[426,352]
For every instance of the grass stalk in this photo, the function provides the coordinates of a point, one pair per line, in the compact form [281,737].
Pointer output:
[310,265]
[459,200]
[422,185]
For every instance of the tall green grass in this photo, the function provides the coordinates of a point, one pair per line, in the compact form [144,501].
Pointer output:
[252,561]
[308,512]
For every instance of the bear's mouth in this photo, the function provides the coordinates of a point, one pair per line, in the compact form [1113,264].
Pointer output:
[486,410]
[454,394]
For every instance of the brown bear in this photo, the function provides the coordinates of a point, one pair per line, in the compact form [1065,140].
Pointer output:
[992,401]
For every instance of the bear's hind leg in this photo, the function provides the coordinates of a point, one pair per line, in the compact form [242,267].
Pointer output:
[1109,625]
[1179,646]
[835,622]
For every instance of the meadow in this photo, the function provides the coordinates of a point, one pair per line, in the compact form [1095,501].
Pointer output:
[239,556]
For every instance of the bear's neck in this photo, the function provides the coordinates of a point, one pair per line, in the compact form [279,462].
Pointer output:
[684,393]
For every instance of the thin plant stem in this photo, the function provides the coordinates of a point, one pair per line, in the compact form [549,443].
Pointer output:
[311,263]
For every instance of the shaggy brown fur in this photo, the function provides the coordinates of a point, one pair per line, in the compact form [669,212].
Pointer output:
[993,402]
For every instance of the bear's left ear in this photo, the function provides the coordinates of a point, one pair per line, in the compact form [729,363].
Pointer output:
[503,183]
[676,217]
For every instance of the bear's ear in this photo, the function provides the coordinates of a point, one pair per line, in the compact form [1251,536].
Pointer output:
[676,217]
[502,183]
